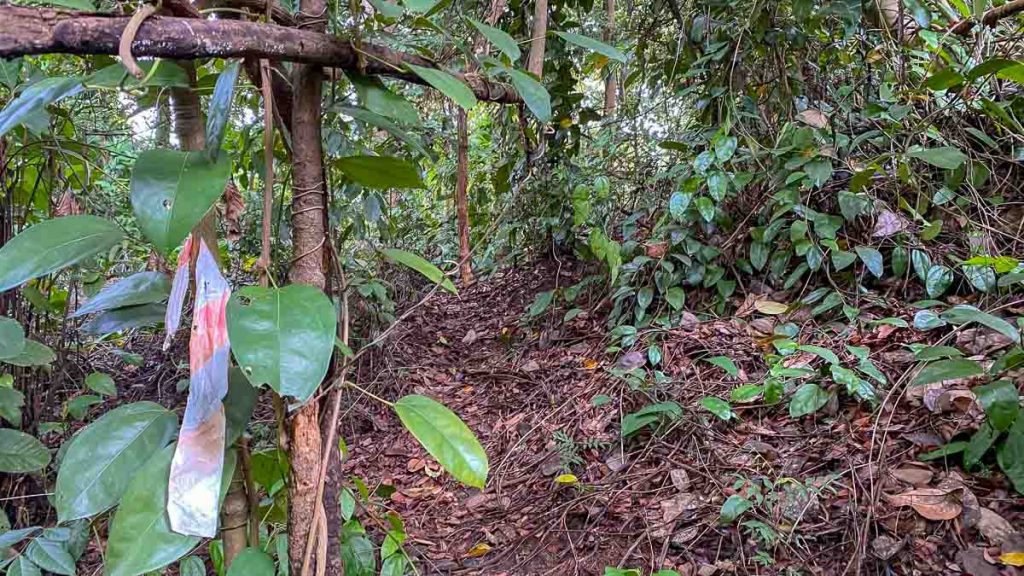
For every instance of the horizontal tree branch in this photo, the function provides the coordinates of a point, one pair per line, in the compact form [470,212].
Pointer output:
[990,18]
[28,31]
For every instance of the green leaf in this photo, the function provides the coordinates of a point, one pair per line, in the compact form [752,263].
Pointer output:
[821,352]
[381,171]
[140,538]
[1000,401]
[676,297]
[938,280]
[11,403]
[53,245]
[807,399]
[168,74]
[220,107]
[449,85]
[35,99]
[733,507]
[855,385]
[141,288]
[820,171]
[725,363]
[947,370]
[78,407]
[872,260]
[102,459]
[191,566]
[379,121]
[927,320]
[947,450]
[101,384]
[533,93]
[706,208]
[121,319]
[921,263]
[172,190]
[12,338]
[428,270]
[853,205]
[445,437]
[34,354]
[718,407]
[944,79]
[936,352]
[375,96]
[964,313]
[980,443]
[22,566]
[238,405]
[593,45]
[1010,455]
[51,555]
[499,38]
[11,537]
[718,185]
[20,452]
[678,203]
[252,562]
[990,66]
[283,337]
[725,147]
[419,5]
[746,393]
[358,556]
[540,303]
[947,157]
[842,259]
[636,421]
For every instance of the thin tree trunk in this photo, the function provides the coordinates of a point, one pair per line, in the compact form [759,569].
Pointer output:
[308,240]
[610,83]
[461,201]
[538,37]
[234,518]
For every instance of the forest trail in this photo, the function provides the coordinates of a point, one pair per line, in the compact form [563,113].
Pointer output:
[653,501]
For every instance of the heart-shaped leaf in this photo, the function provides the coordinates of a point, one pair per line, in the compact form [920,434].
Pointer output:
[101,384]
[141,288]
[718,407]
[103,458]
[52,245]
[282,337]
[252,562]
[172,190]
[1000,401]
[12,338]
[445,437]
[20,452]
[807,399]
[34,354]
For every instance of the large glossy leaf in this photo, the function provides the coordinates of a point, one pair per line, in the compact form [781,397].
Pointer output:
[379,121]
[171,190]
[283,337]
[35,99]
[52,245]
[938,280]
[872,260]
[964,313]
[534,94]
[252,562]
[947,370]
[34,354]
[419,264]
[377,98]
[103,458]
[592,44]
[381,171]
[12,338]
[167,75]
[220,108]
[22,566]
[141,288]
[51,555]
[807,399]
[1000,401]
[191,566]
[121,319]
[140,538]
[445,437]
[11,403]
[449,85]
[20,452]
[499,38]
[946,157]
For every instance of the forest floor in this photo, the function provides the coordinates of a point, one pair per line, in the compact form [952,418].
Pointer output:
[830,493]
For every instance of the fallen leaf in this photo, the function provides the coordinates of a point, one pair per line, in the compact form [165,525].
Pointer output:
[974,563]
[994,527]
[530,366]
[885,546]
[887,224]
[590,363]
[931,503]
[813,117]
[566,479]
[470,337]
[770,307]
[631,361]
[680,479]
[913,476]
[1012,558]
[478,550]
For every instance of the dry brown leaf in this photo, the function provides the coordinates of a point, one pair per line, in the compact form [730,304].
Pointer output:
[931,503]
[885,546]
[771,307]
[913,476]
[478,550]
[234,205]
[888,223]
[813,117]
[68,205]
[680,479]
[994,527]
[631,361]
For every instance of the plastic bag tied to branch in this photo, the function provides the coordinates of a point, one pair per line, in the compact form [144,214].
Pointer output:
[198,464]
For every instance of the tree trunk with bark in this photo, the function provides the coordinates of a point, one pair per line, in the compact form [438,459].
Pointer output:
[308,242]
[462,202]
[610,83]
[538,38]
